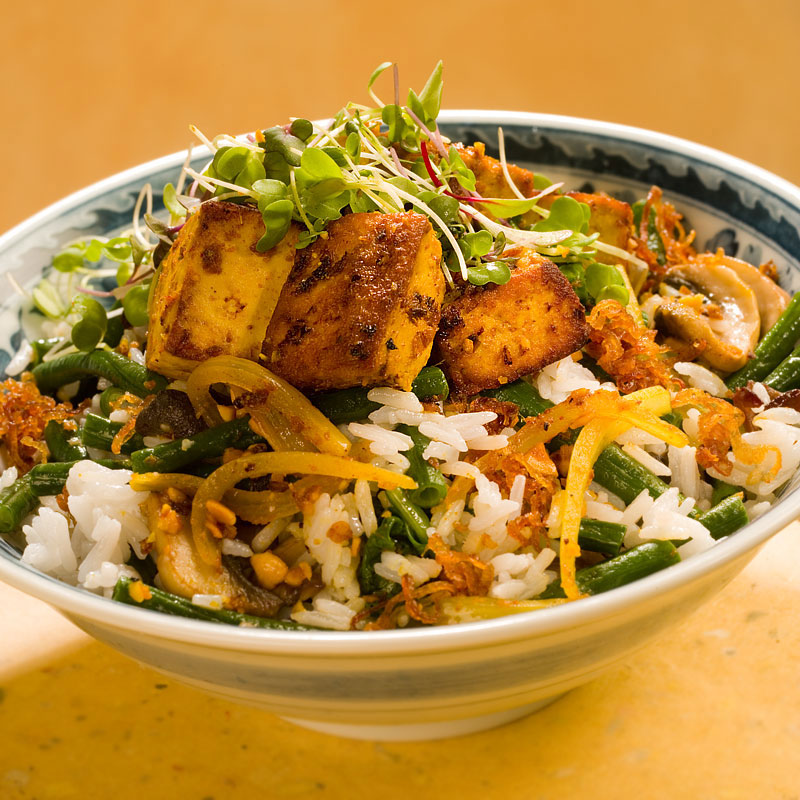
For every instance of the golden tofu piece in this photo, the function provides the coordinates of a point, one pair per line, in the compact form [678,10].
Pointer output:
[216,293]
[492,335]
[611,218]
[491,182]
[361,305]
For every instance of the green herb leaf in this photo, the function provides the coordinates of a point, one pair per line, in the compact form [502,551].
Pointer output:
[465,176]
[475,245]
[392,116]
[566,213]
[68,260]
[489,272]
[170,199]
[427,105]
[229,162]
[48,300]
[277,218]
[319,165]
[512,207]
[302,129]
[377,73]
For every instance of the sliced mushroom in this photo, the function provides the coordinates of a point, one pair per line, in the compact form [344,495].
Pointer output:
[771,299]
[184,573]
[725,342]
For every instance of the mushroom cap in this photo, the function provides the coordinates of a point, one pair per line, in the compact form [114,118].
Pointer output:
[771,299]
[727,341]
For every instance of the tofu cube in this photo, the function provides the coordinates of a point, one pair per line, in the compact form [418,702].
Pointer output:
[492,335]
[215,293]
[611,218]
[361,305]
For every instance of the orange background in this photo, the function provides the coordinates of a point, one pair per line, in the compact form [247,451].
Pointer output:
[92,87]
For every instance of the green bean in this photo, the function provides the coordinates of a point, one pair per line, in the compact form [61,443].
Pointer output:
[168,603]
[118,369]
[59,445]
[16,502]
[725,517]
[599,536]
[135,305]
[90,328]
[98,432]
[522,394]
[636,563]
[625,477]
[430,384]
[721,490]
[352,405]
[108,397]
[431,485]
[49,479]
[786,375]
[175,455]
[777,344]
[415,518]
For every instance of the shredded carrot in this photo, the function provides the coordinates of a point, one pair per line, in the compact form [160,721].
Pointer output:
[719,432]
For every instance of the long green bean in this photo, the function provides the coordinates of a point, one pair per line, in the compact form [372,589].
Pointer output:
[175,455]
[638,562]
[786,375]
[59,444]
[167,603]
[777,344]
[99,432]
[121,371]
[16,502]
[598,536]
[726,517]
[352,405]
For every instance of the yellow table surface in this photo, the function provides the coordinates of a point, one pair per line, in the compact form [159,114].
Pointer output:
[89,87]
[711,710]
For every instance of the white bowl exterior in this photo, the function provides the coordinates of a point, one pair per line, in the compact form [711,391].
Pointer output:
[408,676]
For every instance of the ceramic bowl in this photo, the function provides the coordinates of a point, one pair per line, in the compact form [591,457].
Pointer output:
[434,682]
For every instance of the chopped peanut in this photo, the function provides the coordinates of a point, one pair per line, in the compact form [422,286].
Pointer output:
[139,592]
[340,532]
[269,568]
[220,513]
[176,495]
[169,520]
[297,574]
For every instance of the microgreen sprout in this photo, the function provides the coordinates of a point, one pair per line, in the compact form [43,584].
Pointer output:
[389,158]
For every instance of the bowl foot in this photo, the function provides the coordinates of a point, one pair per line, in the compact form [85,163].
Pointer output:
[423,731]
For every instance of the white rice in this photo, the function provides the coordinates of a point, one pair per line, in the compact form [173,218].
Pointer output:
[556,381]
[108,524]
[700,377]
[20,360]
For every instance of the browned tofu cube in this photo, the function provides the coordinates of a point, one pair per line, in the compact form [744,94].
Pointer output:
[494,334]
[216,292]
[611,218]
[361,305]
[491,182]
